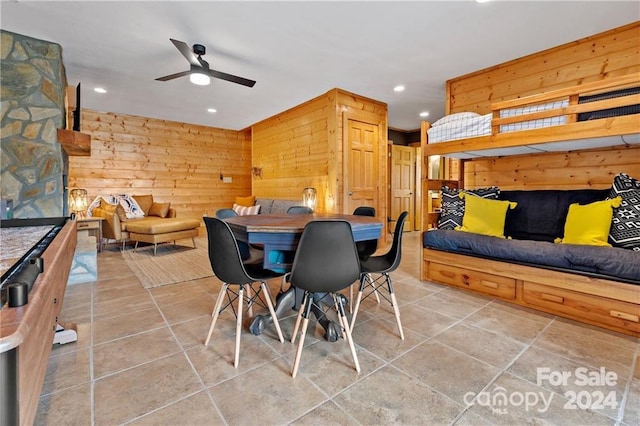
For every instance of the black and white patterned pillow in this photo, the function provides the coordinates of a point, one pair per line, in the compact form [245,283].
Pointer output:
[452,207]
[625,225]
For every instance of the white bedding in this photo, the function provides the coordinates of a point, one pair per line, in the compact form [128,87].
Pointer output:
[469,127]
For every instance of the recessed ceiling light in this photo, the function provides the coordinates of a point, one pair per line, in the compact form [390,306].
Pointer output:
[483,1]
[212,110]
[424,114]
[399,88]
[100,90]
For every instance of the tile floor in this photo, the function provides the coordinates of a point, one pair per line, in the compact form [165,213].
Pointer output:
[466,359]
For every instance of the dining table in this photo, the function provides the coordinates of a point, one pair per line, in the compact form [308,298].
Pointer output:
[278,235]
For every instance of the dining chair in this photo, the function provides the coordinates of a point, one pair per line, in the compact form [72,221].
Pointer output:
[365,248]
[245,252]
[299,210]
[382,266]
[227,265]
[326,262]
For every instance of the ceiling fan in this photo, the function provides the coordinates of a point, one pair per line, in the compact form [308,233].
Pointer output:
[199,71]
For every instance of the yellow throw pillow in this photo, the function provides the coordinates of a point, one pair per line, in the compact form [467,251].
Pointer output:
[589,224]
[159,209]
[484,216]
[246,201]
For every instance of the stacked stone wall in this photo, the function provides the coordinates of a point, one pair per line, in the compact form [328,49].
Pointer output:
[32,109]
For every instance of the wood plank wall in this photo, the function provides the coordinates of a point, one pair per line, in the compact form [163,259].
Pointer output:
[292,151]
[609,54]
[176,162]
[303,147]
[562,170]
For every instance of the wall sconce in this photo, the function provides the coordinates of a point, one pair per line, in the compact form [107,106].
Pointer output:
[256,172]
[309,197]
[78,202]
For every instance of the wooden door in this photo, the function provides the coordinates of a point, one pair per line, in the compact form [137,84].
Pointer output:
[403,183]
[361,165]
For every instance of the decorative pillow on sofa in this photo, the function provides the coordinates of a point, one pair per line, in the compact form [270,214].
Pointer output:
[246,201]
[145,202]
[159,209]
[589,224]
[113,208]
[484,216]
[128,203]
[245,211]
[625,225]
[452,206]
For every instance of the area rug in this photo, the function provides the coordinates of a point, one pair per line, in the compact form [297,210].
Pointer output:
[171,264]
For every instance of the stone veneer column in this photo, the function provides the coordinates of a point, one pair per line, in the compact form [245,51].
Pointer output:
[32,109]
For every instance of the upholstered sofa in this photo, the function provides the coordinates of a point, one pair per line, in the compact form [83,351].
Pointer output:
[158,225]
[252,205]
[596,284]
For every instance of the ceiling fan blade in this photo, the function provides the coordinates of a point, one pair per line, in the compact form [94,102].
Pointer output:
[186,52]
[172,76]
[232,78]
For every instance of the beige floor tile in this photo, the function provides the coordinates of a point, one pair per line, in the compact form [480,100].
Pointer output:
[214,363]
[66,370]
[173,294]
[135,322]
[83,333]
[446,370]
[128,352]
[381,337]
[330,366]
[544,407]
[189,309]
[486,346]
[423,321]
[194,410]
[448,305]
[122,306]
[328,414]
[589,350]
[71,406]
[137,391]
[390,396]
[193,332]
[543,368]
[514,326]
[273,396]
[631,414]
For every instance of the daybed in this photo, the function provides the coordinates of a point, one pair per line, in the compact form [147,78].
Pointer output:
[155,222]
[594,284]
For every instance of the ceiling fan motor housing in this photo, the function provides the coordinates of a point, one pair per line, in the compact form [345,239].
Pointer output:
[199,49]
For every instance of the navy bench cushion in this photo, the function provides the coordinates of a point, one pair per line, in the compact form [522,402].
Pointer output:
[608,262]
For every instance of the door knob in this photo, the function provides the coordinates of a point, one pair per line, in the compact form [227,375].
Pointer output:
[350,193]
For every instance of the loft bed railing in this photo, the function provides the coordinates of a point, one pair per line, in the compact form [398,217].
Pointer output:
[573,135]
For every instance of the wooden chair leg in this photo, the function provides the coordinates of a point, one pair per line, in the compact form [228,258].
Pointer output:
[355,310]
[249,305]
[236,359]
[394,303]
[215,313]
[296,362]
[298,317]
[342,314]
[267,292]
